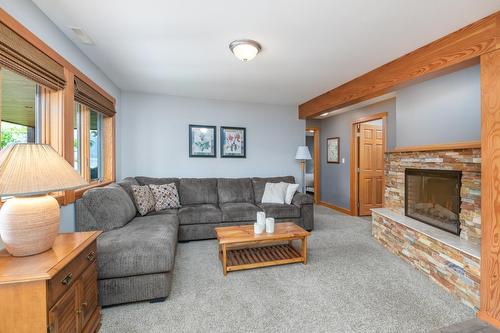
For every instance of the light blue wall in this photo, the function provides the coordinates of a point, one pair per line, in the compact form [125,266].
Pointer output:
[446,109]
[335,178]
[154,137]
[36,21]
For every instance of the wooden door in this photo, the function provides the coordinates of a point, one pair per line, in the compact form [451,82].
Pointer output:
[371,167]
[64,316]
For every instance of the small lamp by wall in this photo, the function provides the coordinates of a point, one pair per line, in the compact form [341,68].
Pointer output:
[302,155]
[29,222]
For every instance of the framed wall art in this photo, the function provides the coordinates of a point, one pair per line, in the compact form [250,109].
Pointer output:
[202,141]
[333,150]
[233,142]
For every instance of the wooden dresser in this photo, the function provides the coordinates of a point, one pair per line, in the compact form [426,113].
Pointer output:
[54,291]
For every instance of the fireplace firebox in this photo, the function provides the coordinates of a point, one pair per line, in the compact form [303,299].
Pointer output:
[433,197]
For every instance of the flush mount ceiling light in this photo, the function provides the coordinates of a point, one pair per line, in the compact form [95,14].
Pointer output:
[245,49]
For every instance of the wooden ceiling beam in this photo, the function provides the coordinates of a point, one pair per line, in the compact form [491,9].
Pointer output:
[460,48]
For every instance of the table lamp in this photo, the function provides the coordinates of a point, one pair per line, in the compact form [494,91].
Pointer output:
[303,155]
[29,221]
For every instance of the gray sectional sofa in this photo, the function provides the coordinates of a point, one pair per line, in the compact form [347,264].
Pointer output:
[136,254]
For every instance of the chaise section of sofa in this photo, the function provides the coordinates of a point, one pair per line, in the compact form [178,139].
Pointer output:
[135,255]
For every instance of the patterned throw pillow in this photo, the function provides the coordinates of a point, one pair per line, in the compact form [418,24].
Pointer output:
[165,196]
[144,199]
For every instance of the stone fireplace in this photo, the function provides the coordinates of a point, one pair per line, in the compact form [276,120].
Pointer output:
[432,216]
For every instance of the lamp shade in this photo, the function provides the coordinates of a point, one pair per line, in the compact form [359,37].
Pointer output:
[302,153]
[31,169]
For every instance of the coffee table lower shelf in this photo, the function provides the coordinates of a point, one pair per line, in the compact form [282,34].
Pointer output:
[254,257]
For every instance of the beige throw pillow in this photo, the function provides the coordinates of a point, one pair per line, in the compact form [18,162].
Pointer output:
[290,192]
[275,193]
[144,200]
[165,196]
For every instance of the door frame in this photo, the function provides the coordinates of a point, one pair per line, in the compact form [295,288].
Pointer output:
[317,195]
[354,160]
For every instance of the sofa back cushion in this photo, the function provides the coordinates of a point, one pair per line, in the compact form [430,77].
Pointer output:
[259,184]
[157,181]
[126,184]
[235,190]
[195,191]
[110,206]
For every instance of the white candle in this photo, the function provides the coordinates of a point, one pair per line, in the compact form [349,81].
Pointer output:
[258,228]
[270,225]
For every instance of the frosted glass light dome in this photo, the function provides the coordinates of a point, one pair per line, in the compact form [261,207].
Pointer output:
[245,49]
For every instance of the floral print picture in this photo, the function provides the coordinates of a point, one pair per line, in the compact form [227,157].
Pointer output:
[202,141]
[233,142]
[332,150]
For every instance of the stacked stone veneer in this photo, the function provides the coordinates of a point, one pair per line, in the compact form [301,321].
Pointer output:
[454,270]
[466,160]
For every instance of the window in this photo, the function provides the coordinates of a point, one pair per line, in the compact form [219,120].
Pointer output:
[77,149]
[20,109]
[95,145]
[88,147]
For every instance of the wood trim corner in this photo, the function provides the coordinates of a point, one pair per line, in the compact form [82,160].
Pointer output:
[375,116]
[489,319]
[79,193]
[334,207]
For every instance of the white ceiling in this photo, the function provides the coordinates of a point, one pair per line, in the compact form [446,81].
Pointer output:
[180,47]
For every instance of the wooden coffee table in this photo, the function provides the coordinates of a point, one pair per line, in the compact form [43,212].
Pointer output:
[240,248]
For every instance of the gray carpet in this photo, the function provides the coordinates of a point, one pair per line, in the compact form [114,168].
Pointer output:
[351,284]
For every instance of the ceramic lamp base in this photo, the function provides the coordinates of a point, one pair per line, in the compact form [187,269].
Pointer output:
[29,225]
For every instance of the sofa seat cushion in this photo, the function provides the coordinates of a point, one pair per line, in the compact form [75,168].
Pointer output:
[146,245]
[236,212]
[280,211]
[235,190]
[195,191]
[197,214]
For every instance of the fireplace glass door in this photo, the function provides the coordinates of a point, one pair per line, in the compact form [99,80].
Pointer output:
[433,197]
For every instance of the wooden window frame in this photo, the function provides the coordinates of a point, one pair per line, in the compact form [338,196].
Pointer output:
[57,127]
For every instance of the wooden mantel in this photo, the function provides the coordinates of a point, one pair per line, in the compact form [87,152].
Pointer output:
[445,146]
[459,49]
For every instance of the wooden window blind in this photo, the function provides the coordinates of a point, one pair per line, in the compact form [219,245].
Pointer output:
[20,56]
[90,97]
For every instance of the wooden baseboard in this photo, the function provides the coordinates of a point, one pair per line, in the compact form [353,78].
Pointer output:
[337,208]
[487,318]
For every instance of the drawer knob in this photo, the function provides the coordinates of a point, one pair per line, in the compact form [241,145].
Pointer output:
[67,279]
[91,256]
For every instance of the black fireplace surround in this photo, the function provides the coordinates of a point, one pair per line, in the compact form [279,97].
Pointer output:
[433,197]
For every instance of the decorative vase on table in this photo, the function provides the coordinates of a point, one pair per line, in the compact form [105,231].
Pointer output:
[29,221]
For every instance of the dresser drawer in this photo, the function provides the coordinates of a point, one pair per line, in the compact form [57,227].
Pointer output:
[65,278]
